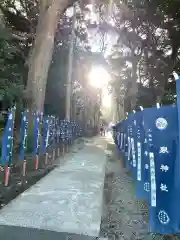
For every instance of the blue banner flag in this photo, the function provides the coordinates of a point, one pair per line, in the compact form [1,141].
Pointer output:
[161,129]
[122,139]
[7,139]
[74,129]
[132,150]
[119,134]
[145,192]
[128,156]
[51,131]
[62,131]
[54,131]
[70,132]
[58,130]
[140,188]
[46,134]
[116,133]
[125,139]
[150,140]
[176,196]
[37,121]
[66,131]
[23,133]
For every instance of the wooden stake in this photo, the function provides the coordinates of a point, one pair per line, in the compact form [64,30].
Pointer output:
[37,162]
[24,168]
[46,158]
[7,173]
[63,149]
[53,157]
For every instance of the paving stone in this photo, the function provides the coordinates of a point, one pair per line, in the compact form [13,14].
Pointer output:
[69,199]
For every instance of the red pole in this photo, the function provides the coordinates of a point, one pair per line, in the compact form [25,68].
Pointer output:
[24,168]
[37,162]
[7,173]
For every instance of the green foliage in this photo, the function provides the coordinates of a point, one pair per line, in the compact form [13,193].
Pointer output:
[1,134]
[19,18]
[11,70]
[30,140]
[170,93]
[149,42]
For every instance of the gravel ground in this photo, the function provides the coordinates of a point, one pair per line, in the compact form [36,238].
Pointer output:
[124,217]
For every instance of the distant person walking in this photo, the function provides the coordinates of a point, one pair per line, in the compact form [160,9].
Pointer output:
[102,131]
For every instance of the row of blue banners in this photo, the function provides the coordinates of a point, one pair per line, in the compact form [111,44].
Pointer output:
[149,143]
[48,131]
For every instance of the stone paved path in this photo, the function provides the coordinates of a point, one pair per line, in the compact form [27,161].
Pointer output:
[67,200]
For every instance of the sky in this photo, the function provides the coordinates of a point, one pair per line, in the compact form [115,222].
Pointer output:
[98,76]
[94,36]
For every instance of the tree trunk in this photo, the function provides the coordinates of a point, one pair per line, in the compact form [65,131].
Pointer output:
[134,86]
[1,19]
[41,55]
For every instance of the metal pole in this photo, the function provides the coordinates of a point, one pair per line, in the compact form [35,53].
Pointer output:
[70,66]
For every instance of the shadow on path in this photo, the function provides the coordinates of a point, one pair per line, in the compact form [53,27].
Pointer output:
[18,233]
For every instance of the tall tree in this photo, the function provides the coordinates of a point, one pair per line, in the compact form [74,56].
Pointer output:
[147,33]
[41,55]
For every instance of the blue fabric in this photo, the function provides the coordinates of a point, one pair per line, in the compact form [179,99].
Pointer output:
[7,139]
[46,134]
[126,143]
[129,155]
[161,129]
[23,134]
[37,120]
[133,144]
[145,156]
[119,133]
[176,196]
[157,170]
[142,187]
